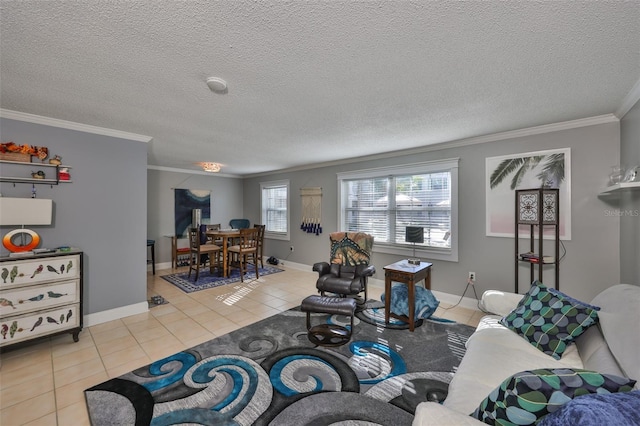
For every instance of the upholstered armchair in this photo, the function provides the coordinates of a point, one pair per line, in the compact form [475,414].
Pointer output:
[347,272]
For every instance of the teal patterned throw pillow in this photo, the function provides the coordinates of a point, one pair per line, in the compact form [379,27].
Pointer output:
[549,319]
[528,396]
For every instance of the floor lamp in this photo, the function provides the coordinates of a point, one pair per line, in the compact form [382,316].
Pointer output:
[414,234]
[23,211]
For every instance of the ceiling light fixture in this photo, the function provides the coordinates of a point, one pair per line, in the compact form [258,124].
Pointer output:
[211,167]
[217,84]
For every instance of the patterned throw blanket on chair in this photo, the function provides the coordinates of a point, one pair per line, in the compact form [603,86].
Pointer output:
[351,248]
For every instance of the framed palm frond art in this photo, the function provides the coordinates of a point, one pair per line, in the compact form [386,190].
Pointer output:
[529,170]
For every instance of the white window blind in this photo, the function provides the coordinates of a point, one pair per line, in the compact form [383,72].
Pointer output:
[383,202]
[275,209]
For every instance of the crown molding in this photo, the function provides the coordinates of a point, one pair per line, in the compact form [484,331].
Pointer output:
[192,172]
[70,125]
[629,101]
[511,134]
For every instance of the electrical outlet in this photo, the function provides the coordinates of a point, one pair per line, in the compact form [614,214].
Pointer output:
[291,248]
[472,276]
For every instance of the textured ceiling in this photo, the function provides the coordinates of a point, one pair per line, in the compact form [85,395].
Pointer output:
[314,81]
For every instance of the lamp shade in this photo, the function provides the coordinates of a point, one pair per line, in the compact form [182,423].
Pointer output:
[25,211]
[537,206]
[414,234]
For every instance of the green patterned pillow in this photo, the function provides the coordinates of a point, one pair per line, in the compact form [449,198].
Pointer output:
[549,319]
[526,397]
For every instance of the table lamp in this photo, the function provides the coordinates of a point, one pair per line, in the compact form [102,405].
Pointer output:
[23,211]
[414,234]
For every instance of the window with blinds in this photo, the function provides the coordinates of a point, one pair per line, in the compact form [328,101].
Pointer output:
[383,202]
[275,209]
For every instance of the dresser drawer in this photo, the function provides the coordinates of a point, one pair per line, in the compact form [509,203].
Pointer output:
[43,296]
[32,271]
[17,328]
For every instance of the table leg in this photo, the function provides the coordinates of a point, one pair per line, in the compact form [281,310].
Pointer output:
[411,290]
[387,299]
[225,267]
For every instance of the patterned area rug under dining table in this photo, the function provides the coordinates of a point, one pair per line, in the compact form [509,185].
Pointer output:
[269,373]
[206,279]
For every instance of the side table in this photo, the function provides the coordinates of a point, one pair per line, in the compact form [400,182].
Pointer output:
[406,273]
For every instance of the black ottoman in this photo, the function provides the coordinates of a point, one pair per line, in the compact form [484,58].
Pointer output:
[328,334]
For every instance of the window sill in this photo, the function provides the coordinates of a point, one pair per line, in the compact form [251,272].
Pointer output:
[447,255]
[276,236]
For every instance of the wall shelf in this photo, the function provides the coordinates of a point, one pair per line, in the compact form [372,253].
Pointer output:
[45,181]
[620,187]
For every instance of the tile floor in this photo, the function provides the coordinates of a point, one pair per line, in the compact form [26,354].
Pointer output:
[43,383]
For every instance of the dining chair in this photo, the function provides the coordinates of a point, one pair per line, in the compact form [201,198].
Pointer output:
[215,227]
[245,250]
[239,223]
[152,261]
[260,251]
[198,251]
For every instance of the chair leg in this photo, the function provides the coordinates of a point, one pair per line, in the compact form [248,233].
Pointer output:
[243,266]
[153,258]
[229,257]
[308,320]
[219,264]
[194,259]
[255,265]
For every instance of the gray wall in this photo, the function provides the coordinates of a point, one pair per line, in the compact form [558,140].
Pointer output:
[592,260]
[226,204]
[630,201]
[103,212]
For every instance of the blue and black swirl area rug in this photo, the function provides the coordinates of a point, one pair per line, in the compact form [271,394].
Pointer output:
[269,373]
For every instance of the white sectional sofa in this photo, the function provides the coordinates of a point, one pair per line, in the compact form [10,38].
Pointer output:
[495,352]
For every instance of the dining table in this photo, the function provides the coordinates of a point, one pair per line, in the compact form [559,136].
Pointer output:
[227,236]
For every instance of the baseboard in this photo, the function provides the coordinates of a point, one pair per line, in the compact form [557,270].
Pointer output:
[452,299]
[169,265]
[299,266]
[114,314]
[375,282]
[159,266]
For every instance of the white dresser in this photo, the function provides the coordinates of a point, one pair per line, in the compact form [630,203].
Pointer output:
[40,295]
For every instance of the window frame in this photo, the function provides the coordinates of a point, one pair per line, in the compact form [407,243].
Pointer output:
[285,236]
[406,250]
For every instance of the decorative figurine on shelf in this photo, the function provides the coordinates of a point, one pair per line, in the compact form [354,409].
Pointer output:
[42,152]
[38,175]
[22,153]
[56,160]
[64,174]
